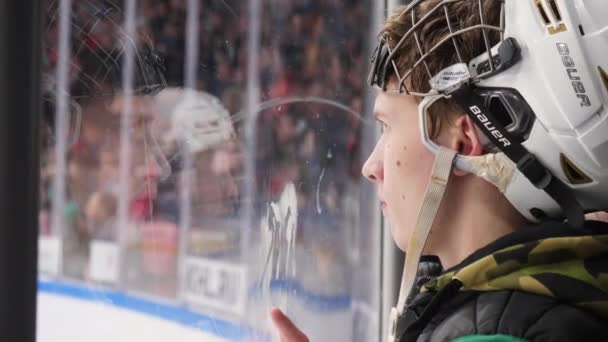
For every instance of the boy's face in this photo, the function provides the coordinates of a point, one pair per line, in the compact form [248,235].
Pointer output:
[400,165]
[147,164]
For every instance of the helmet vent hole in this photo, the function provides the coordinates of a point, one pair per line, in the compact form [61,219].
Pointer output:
[555,10]
[500,111]
[604,77]
[580,28]
[542,12]
[573,173]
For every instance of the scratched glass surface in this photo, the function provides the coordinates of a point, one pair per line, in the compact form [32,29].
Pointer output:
[201,165]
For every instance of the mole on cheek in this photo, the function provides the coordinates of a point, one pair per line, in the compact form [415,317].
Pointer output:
[398,163]
[405,148]
[402,197]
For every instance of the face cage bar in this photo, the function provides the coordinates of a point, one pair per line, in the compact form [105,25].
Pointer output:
[149,69]
[384,56]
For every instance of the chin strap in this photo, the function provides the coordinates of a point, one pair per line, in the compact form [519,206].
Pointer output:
[442,168]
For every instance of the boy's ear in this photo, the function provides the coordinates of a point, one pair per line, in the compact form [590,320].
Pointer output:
[465,139]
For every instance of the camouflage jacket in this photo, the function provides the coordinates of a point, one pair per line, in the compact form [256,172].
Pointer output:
[543,283]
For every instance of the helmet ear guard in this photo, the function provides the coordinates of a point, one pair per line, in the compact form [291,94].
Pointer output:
[497,169]
[510,110]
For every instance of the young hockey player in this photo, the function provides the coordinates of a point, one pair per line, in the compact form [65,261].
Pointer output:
[494,145]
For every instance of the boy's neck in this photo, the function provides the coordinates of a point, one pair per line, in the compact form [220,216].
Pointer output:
[477,217]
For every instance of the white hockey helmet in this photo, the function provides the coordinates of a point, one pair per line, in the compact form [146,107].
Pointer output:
[195,120]
[542,99]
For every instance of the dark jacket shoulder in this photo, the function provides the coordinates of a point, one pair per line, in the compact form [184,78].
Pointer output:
[527,285]
[519,314]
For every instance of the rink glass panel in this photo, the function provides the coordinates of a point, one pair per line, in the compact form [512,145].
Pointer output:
[233,189]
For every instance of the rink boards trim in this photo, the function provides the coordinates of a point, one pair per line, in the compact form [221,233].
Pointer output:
[183,315]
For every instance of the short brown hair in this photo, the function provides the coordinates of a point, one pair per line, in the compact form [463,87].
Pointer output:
[463,14]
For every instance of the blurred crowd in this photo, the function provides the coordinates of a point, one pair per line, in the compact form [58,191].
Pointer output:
[307,48]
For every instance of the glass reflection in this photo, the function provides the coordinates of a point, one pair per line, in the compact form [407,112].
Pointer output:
[187,235]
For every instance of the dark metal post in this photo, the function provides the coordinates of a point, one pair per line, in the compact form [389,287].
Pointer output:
[20,57]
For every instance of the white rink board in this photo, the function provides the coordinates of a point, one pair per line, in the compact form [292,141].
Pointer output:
[215,284]
[76,312]
[65,319]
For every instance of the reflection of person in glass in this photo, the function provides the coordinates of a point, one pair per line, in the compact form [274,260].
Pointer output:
[146,231]
[470,168]
[96,89]
[147,163]
[198,136]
